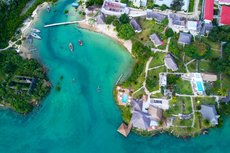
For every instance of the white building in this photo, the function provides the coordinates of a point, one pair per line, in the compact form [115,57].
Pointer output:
[111,7]
[139,3]
[192,25]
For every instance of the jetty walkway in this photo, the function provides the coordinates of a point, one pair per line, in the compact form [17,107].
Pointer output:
[62,23]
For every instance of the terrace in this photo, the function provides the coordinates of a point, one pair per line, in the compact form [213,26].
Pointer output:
[114,8]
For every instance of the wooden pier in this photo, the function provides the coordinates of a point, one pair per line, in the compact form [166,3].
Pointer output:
[62,23]
[119,79]
[124,129]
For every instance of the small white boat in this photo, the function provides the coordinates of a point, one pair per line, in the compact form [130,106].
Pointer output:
[36,30]
[35,35]
[71,47]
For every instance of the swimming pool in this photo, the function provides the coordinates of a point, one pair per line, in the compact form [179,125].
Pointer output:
[124,98]
[199,86]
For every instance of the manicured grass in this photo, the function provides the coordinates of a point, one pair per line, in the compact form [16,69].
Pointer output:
[191,5]
[126,113]
[198,101]
[183,87]
[137,84]
[139,93]
[192,67]
[205,66]
[152,82]
[158,59]
[149,27]
[215,46]
[180,105]
[226,82]
[157,95]
[179,122]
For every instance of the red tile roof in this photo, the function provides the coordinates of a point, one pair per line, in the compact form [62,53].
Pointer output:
[225,15]
[208,9]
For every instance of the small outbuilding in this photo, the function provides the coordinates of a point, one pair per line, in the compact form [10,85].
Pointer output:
[185,38]
[156,40]
[170,63]
[135,25]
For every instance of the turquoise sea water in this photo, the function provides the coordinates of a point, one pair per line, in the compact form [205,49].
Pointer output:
[79,119]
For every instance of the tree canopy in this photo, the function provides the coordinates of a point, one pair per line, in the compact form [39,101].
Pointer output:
[126,31]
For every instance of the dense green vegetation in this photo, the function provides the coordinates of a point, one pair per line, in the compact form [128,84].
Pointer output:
[197,50]
[191,5]
[177,5]
[11,20]
[93,2]
[16,93]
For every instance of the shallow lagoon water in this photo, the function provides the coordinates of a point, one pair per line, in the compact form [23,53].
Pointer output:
[78,118]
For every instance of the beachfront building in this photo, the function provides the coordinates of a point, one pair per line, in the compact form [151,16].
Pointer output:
[110,7]
[156,16]
[170,63]
[208,10]
[155,116]
[224,15]
[140,120]
[156,40]
[139,3]
[135,25]
[209,112]
[100,19]
[169,2]
[185,38]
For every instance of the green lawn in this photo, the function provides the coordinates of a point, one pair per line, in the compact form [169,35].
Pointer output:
[183,87]
[158,59]
[180,105]
[179,122]
[149,27]
[215,47]
[152,82]
[226,82]
[198,101]
[204,66]
[137,84]
[191,5]
[192,66]
[157,95]
[139,93]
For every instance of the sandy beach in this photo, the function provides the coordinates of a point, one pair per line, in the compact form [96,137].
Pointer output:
[26,29]
[107,30]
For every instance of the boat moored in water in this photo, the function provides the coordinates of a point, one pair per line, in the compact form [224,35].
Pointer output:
[71,47]
[34,35]
[36,30]
[80,42]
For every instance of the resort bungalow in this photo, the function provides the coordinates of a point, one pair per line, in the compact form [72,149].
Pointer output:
[185,38]
[170,63]
[100,18]
[137,104]
[178,22]
[156,16]
[209,112]
[140,120]
[139,3]
[163,80]
[156,40]
[135,25]
[110,7]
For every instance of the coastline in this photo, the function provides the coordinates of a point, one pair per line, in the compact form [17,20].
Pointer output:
[107,30]
[26,29]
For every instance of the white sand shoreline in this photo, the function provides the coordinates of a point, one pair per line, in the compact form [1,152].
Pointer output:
[107,30]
